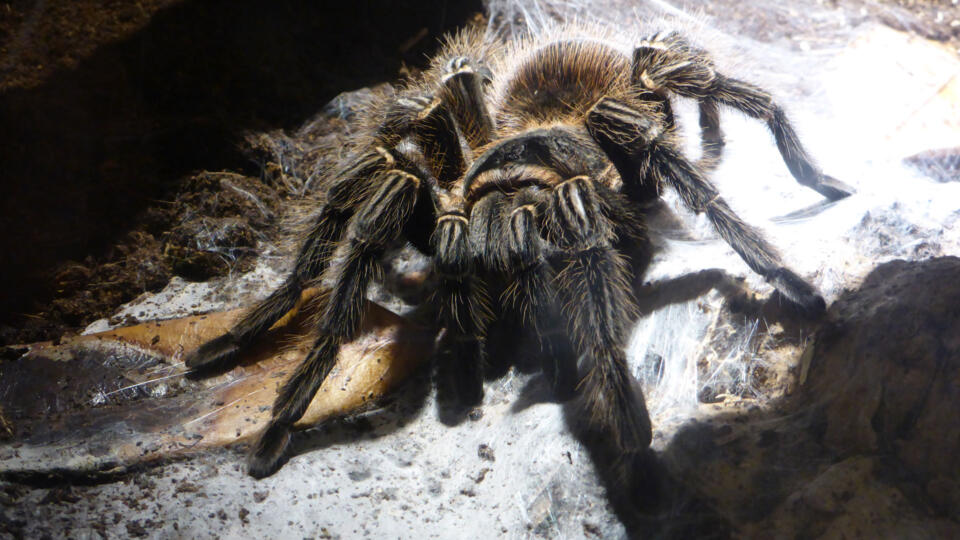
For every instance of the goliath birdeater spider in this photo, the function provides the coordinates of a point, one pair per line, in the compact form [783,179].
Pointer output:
[518,168]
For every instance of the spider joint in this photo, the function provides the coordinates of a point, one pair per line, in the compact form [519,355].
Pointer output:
[706,206]
[456,215]
[389,160]
[531,208]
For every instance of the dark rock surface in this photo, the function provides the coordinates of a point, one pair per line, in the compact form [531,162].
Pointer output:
[867,447]
[885,378]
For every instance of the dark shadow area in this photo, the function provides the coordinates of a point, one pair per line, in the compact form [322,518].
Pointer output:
[87,151]
[647,498]
[867,429]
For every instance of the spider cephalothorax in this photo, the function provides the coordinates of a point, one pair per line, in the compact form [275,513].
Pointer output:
[518,169]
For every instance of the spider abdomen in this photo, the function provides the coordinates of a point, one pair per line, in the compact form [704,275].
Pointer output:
[559,82]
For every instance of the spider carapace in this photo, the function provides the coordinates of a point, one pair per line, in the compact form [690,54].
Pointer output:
[519,169]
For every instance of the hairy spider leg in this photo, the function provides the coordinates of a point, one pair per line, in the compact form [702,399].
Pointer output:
[375,227]
[530,295]
[449,124]
[433,127]
[463,311]
[462,88]
[534,294]
[607,121]
[593,286]
[487,228]
[440,141]
[668,63]
[464,307]
[384,218]
[711,136]
[311,262]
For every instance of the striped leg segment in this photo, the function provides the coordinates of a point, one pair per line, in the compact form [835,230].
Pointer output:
[667,63]
[312,261]
[669,165]
[374,228]
[464,312]
[593,285]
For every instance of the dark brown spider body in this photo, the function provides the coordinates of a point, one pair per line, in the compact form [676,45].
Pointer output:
[559,82]
[518,168]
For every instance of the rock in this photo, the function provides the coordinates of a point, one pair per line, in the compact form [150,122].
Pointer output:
[867,446]
[886,375]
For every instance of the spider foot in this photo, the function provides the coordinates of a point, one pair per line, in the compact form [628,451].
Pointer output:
[213,354]
[798,291]
[460,65]
[832,188]
[459,372]
[559,364]
[268,455]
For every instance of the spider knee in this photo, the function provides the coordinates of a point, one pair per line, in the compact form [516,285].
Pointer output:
[574,180]
[449,242]
[458,63]
[429,108]
[622,124]
[522,246]
[384,214]
[462,65]
[575,216]
[388,160]
[404,178]
[707,205]
[456,215]
[576,201]
[527,208]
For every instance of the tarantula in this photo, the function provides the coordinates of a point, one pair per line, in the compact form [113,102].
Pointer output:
[519,170]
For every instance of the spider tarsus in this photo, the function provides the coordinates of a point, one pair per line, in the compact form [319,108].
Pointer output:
[798,291]
[460,370]
[612,404]
[268,454]
[711,135]
[833,189]
[559,363]
[461,352]
[213,354]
